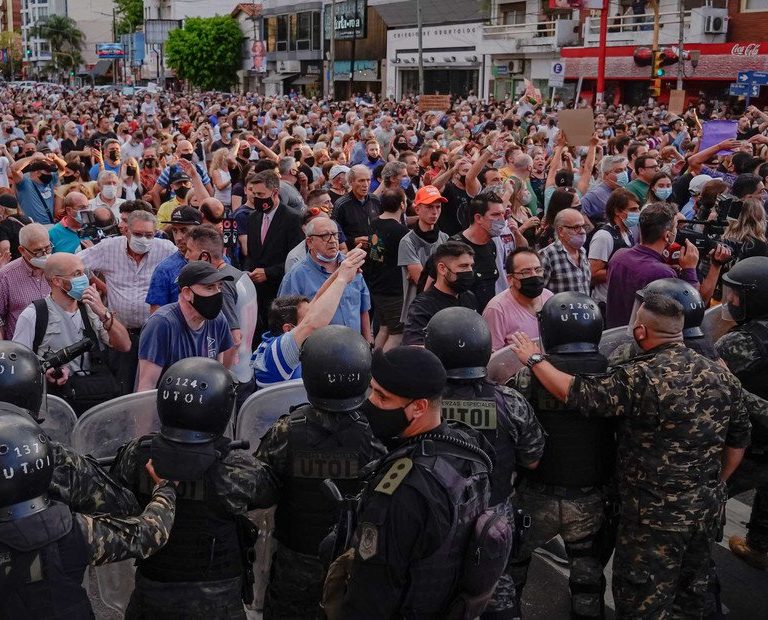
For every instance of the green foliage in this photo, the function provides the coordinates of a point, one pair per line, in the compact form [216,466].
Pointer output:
[130,15]
[65,38]
[207,52]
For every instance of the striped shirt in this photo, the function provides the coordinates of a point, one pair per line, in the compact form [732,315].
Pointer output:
[19,287]
[276,359]
[164,180]
[127,281]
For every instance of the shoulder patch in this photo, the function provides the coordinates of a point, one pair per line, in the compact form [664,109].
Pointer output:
[394,476]
[369,541]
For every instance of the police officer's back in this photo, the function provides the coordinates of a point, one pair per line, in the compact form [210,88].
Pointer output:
[199,573]
[327,438]
[419,509]
[44,547]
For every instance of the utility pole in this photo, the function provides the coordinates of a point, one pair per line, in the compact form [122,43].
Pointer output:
[680,42]
[352,60]
[419,26]
[332,54]
[600,95]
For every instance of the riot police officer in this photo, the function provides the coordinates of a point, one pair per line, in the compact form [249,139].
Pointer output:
[200,572]
[327,438]
[44,547]
[418,510]
[563,495]
[745,350]
[462,341]
[77,481]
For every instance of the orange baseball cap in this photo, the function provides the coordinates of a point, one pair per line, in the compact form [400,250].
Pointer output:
[427,195]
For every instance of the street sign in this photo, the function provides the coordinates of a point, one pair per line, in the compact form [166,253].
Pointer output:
[759,77]
[739,90]
[754,90]
[557,74]
[744,77]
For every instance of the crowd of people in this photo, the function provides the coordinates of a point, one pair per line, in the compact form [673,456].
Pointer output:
[141,223]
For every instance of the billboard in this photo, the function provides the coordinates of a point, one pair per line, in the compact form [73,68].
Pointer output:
[349,20]
[108,51]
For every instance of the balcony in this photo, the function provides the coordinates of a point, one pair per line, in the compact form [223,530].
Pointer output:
[535,36]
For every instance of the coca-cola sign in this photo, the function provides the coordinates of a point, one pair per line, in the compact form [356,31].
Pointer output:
[750,49]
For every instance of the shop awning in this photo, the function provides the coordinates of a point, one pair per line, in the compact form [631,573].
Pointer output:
[276,78]
[306,79]
[101,68]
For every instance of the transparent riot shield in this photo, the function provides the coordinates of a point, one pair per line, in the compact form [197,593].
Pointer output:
[100,432]
[257,414]
[58,420]
[503,365]
[714,325]
[247,313]
[614,338]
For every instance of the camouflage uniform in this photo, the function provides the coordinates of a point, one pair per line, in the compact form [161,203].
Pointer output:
[669,463]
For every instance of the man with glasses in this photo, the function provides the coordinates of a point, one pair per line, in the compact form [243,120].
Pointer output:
[566,267]
[646,168]
[65,236]
[318,205]
[322,260]
[22,280]
[614,174]
[516,309]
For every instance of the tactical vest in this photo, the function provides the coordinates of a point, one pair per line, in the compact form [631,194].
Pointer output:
[755,378]
[618,240]
[579,451]
[481,405]
[703,346]
[203,545]
[43,559]
[338,449]
[462,471]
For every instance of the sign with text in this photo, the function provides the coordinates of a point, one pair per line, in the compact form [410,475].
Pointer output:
[349,20]
[106,51]
[677,101]
[737,89]
[434,102]
[557,74]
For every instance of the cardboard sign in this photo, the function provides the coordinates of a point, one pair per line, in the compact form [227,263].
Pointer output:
[578,125]
[434,102]
[677,102]
[714,132]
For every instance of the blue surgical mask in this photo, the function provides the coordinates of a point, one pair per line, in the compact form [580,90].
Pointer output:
[325,259]
[78,284]
[632,219]
[663,193]
[622,178]
[405,183]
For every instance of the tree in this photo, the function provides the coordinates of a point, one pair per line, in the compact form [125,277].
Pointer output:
[64,37]
[130,15]
[207,51]
[11,42]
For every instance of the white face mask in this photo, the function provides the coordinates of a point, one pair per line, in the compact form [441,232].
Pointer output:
[140,245]
[38,262]
[109,192]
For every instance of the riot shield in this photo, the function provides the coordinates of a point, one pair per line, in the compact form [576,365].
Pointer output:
[100,432]
[714,325]
[58,420]
[503,365]
[613,338]
[257,414]
[247,313]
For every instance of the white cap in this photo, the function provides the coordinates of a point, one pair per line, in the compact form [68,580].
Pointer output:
[698,182]
[337,170]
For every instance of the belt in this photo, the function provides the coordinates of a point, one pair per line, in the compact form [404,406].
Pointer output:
[561,492]
[133,331]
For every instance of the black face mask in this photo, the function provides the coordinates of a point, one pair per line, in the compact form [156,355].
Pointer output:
[265,204]
[531,287]
[149,163]
[463,179]
[463,282]
[181,192]
[385,423]
[372,158]
[187,156]
[130,171]
[46,178]
[208,307]
[310,161]
[245,153]
[113,155]
[69,178]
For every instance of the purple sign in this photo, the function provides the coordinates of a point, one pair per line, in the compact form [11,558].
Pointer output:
[714,132]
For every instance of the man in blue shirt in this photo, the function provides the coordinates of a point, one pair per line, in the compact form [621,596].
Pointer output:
[35,177]
[110,160]
[323,259]
[65,235]
[192,327]
[163,288]
[293,318]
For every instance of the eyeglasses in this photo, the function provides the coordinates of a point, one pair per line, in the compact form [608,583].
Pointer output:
[528,272]
[654,167]
[327,237]
[48,249]
[580,227]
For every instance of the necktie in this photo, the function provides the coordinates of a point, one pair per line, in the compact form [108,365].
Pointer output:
[264,227]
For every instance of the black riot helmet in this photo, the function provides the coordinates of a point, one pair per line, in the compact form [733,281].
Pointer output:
[688,297]
[26,463]
[21,377]
[745,289]
[570,323]
[461,339]
[336,368]
[195,400]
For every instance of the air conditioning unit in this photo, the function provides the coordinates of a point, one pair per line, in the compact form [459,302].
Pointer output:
[516,66]
[716,24]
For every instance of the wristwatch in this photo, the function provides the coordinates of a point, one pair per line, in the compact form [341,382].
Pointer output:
[534,359]
[108,316]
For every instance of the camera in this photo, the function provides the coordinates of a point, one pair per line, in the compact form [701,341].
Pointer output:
[96,230]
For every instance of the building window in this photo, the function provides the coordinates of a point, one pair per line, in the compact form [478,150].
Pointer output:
[304,31]
[754,5]
[512,13]
[271,32]
[316,37]
[282,33]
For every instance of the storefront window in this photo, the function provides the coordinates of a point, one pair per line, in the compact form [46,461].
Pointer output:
[754,5]
[441,81]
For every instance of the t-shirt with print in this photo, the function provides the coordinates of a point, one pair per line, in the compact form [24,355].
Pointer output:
[383,275]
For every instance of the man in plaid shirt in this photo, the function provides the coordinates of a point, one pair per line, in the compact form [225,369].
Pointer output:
[565,263]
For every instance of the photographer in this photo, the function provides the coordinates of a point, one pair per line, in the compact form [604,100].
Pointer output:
[67,236]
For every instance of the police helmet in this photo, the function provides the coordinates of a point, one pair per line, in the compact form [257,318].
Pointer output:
[688,297]
[336,368]
[27,465]
[570,323]
[195,400]
[21,377]
[461,339]
[745,289]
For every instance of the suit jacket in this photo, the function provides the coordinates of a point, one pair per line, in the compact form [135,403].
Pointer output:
[283,235]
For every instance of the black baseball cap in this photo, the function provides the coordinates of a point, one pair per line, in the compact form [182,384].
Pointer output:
[185,215]
[178,176]
[201,272]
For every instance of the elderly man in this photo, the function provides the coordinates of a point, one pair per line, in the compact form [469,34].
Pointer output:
[192,327]
[337,182]
[22,280]
[71,312]
[394,175]
[355,211]
[385,134]
[322,260]
[109,193]
[35,177]
[613,170]
[65,236]
[127,264]
[289,176]
[566,267]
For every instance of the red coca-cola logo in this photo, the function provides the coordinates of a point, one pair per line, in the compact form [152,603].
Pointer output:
[751,49]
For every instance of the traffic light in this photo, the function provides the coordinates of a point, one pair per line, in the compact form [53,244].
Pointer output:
[655,88]
[657,67]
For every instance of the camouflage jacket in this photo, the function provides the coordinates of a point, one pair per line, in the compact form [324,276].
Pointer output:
[111,539]
[681,409]
[80,483]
